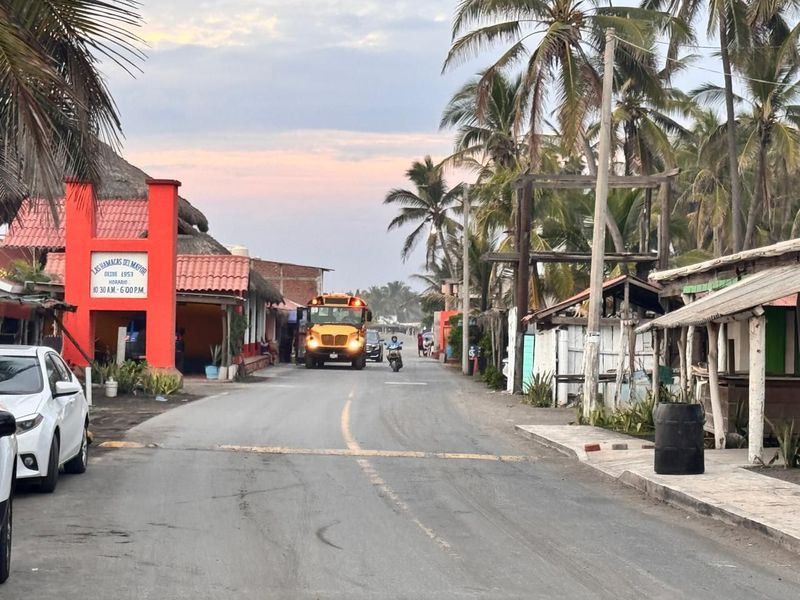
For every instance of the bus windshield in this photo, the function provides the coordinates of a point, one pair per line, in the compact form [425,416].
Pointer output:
[335,314]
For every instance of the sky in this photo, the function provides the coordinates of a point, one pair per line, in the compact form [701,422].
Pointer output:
[288,121]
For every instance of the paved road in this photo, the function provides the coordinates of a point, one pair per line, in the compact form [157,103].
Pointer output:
[342,484]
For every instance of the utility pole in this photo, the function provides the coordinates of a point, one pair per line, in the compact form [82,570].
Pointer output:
[465,289]
[591,351]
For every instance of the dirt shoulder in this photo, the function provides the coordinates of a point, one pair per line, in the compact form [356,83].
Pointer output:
[111,418]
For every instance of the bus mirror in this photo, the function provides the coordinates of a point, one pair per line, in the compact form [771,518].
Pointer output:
[300,314]
[369,315]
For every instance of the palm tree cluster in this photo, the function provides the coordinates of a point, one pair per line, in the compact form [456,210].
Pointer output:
[393,302]
[535,109]
[56,109]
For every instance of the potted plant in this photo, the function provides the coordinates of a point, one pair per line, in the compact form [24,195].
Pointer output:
[212,370]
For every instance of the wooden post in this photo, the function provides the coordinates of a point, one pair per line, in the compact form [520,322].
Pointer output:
[624,326]
[757,384]
[682,354]
[713,385]
[523,279]
[644,234]
[591,351]
[656,362]
[690,357]
[663,225]
[465,290]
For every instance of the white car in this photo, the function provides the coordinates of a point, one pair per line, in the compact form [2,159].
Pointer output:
[51,411]
[8,461]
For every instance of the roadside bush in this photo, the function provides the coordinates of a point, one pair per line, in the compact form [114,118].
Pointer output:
[161,383]
[539,391]
[636,419]
[494,378]
[788,444]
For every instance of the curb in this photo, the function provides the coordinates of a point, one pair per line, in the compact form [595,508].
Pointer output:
[671,496]
[682,500]
[565,450]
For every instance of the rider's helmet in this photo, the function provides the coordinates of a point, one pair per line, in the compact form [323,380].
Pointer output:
[394,338]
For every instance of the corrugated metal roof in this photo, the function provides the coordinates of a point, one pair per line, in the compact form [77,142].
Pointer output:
[195,273]
[779,249]
[737,300]
[584,296]
[34,227]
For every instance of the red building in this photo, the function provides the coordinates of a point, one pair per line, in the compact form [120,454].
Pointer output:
[205,282]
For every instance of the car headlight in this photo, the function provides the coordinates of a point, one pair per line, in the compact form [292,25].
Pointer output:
[355,344]
[312,343]
[27,423]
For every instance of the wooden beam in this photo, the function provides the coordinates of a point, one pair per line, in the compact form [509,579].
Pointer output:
[578,182]
[757,389]
[569,257]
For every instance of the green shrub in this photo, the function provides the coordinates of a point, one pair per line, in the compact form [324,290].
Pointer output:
[130,376]
[539,391]
[161,383]
[494,378]
[454,340]
[788,444]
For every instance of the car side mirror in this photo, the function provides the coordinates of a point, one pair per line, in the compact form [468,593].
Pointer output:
[66,388]
[8,424]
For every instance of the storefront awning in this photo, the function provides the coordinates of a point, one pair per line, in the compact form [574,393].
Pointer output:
[736,302]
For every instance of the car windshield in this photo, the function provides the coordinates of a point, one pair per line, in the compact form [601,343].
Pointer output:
[335,314]
[20,375]
[372,336]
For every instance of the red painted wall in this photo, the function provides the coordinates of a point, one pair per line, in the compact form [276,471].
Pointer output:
[161,247]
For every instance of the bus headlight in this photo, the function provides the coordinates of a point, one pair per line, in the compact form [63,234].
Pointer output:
[312,343]
[355,344]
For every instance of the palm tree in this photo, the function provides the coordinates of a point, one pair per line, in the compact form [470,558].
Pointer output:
[568,36]
[772,91]
[428,208]
[486,137]
[56,107]
[726,18]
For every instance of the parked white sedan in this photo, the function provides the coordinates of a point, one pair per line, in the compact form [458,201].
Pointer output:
[8,460]
[51,411]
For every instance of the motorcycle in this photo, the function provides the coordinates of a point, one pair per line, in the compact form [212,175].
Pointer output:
[394,355]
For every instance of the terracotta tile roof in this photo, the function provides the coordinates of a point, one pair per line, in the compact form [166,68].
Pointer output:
[34,228]
[213,273]
[196,273]
[55,266]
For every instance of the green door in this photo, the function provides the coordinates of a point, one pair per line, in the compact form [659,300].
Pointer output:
[776,340]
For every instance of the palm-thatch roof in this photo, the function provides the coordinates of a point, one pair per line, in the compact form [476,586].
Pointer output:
[120,179]
[199,243]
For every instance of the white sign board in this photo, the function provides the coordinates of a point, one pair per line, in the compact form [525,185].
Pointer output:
[119,275]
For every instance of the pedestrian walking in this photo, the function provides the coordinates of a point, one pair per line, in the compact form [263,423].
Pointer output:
[420,345]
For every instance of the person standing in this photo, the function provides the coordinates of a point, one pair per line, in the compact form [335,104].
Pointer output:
[420,345]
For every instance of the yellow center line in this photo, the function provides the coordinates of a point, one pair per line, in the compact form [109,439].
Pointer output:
[359,452]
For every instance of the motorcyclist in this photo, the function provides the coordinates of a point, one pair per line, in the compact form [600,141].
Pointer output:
[393,355]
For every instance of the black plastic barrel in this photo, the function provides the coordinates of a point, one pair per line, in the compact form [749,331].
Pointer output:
[679,439]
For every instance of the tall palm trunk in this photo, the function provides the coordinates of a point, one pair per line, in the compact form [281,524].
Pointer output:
[446,255]
[733,157]
[762,191]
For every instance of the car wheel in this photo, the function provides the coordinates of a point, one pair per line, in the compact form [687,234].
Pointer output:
[49,481]
[5,542]
[78,463]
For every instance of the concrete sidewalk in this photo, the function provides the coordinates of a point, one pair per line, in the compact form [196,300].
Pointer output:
[726,491]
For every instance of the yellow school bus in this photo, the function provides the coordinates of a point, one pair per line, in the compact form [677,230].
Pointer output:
[335,330]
